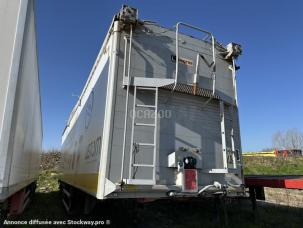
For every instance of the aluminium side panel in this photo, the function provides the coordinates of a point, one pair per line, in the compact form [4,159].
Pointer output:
[83,137]
[27,142]
[9,11]
[12,22]
[24,131]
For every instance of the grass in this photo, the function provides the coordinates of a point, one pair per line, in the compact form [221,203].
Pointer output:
[49,171]
[47,181]
[273,166]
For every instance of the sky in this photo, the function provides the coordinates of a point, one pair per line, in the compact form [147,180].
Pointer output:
[70,34]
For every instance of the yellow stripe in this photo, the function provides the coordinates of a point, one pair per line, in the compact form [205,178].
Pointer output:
[86,181]
[259,155]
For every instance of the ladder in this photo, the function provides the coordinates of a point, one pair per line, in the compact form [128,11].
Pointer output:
[135,145]
[139,84]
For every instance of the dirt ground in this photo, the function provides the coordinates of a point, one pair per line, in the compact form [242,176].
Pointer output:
[47,207]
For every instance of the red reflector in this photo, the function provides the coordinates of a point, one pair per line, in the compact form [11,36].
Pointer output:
[190,179]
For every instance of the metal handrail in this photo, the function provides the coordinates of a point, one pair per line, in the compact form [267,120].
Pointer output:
[177,53]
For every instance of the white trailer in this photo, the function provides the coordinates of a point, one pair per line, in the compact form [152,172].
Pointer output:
[158,117]
[20,109]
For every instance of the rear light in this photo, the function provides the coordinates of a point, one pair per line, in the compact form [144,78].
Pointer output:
[190,183]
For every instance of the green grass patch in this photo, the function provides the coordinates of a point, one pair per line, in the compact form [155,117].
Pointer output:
[47,181]
[273,166]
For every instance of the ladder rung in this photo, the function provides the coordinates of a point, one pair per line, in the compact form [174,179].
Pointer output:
[139,181]
[143,165]
[147,88]
[146,144]
[146,106]
[145,124]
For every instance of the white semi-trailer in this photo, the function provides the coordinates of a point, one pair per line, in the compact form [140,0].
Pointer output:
[158,117]
[20,109]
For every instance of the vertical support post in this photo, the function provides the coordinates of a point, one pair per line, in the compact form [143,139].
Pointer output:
[233,70]
[125,56]
[195,84]
[132,134]
[221,210]
[231,109]
[252,196]
[217,209]
[223,134]
[233,149]
[234,82]
[255,193]
[155,135]
[177,56]
[127,95]
[214,64]
[223,203]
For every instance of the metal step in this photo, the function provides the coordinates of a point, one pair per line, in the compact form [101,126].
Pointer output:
[145,124]
[146,144]
[139,181]
[147,88]
[151,82]
[144,165]
[215,170]
[146,106]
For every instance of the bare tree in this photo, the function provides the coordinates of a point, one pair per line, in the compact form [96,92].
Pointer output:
[267,149]
[278,140]
[291,139]
[294,139]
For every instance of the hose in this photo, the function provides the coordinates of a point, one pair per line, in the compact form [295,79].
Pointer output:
[235,185]
[216,185]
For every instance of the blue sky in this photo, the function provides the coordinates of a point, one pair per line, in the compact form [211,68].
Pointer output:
[70,34]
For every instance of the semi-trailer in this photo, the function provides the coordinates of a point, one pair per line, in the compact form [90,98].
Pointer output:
[157,118]
[20,109]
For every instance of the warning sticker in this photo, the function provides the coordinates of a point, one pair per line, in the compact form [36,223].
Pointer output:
[184,61]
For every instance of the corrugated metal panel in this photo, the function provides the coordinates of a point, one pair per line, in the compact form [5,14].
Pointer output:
[190,125]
